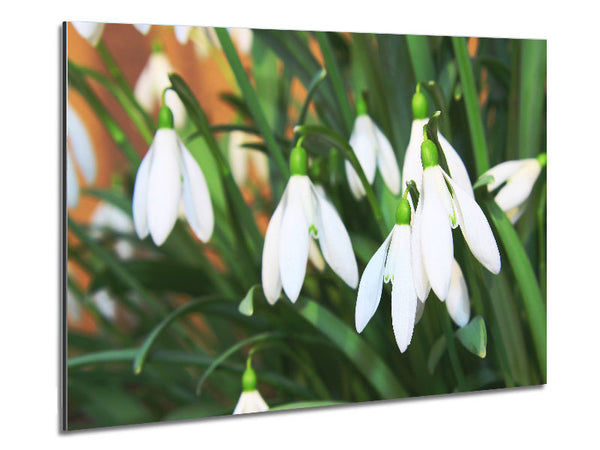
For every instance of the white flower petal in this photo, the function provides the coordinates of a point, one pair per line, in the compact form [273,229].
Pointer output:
[72,184]
[182,33]
[250,402]
[516,213]
[270,277]
[238,157]
[144,90]
[335,242]
[142,27]
[404,297]
[386,161]
[422,286]
[371,286]
[105,303]
[437,247]
[164,185]
[293,246]
[196,197]
[81,145]
[457,168]
[420,310]
[476,229]
[413,168]
[519,187]
[315,257]
[91,31]
[140,196]
[173,101]
[364,143]
[502,172]
[393,254]
[260,164]
[242,38]
[457,301]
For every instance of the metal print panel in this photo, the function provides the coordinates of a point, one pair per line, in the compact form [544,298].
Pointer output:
[262,220]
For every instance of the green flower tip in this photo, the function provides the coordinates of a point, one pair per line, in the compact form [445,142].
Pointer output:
[156,46]
[403,212]
[429,154]
[298,160]
[249,379]
[165,117]
[361,106]
[419,105]
[542,159]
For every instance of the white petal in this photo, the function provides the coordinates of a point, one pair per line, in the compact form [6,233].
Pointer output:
[386,161]
[91,31]
[457,168]
[260,164]
[107,215]
[404,297]
[140,196]
[81,145]
[503,171]
[457,301]
[335,242]
[238,157]
[250,402]
[420,310]
[516,213]
[364,143]
[196,197]
[356,187]
[72,184]
[144,91]
[242,38]
[422,286]
[271,280]
[519,187]
[293,246]
[182,33]
[164,185]
[105,303]
[173,101]
[413,168]
[315,257]
[142,27]
[437,248]
[393,254]
[476,229]
[371,286]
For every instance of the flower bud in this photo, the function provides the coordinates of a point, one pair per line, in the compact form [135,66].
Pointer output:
[403,213]
[361,106]
[165,117]
[542,159]
[429,154]
[419,105]
[249,378]
[298,161]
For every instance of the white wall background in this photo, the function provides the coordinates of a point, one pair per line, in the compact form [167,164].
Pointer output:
[562,413]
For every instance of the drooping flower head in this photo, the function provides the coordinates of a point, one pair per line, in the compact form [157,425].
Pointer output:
[303,213]
[153,81]
[444,205]
[373,150]
[413,167]
[250,400]
[168,176]
[518,178]
[244,161]
[391,263]
[80,156]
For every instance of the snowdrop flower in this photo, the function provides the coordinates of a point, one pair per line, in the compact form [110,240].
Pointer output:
[303,213]
[373,150]
[391,263]
[203,38]
[143,28]
[107,216]
[167,176]
[241,158]
[519,176]
[444,205]
[242,38]
[153,80]
[250,401]
[91,31]
[413,169]
[80,156]
[457,301]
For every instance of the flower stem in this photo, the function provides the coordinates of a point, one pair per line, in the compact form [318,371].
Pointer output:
[471,104]
[452,352]
[250,96]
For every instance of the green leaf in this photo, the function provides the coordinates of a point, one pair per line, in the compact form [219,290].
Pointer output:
[525,276]
[366,361]
[312,87]
[420,55]
[473,336]
[532,96]
[483,180]
[142,354]
[435,354]
[247,304]
[300,405]
[414,192]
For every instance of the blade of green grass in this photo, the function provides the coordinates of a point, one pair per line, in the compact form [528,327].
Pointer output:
[532,95]
[420,56]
